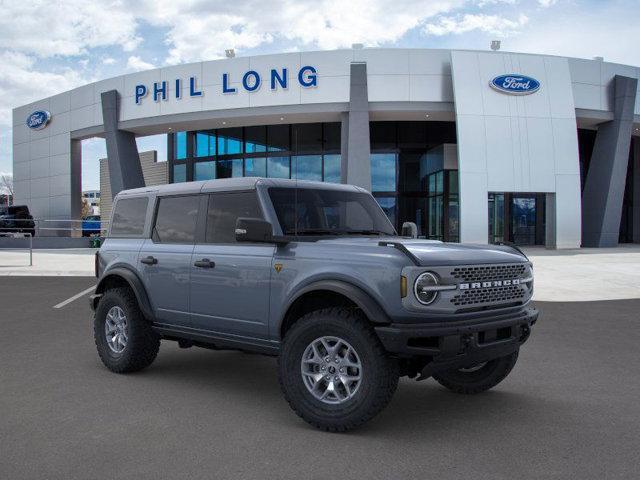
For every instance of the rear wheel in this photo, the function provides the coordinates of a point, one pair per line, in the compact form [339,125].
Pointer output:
[477,378]
[333,370]
[123,337]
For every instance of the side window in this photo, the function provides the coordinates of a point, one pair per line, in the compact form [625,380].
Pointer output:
[176,219]
[224,209]
[129,216]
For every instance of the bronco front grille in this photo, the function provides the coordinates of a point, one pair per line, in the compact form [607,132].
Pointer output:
[488,272]
[489,295]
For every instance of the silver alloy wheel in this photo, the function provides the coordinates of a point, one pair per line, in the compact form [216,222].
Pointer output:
[331,370]
[116,329]
[474,368]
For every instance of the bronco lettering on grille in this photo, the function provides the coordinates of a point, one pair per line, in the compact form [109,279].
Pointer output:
[494,283]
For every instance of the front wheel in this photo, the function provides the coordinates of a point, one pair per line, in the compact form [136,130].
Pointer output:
[477,378]
[124,338]
[333,370]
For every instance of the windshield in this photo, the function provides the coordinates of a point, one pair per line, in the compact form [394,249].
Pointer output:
[328,212]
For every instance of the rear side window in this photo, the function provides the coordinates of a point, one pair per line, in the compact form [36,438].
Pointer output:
[128,217]
[176,219]
[224,209]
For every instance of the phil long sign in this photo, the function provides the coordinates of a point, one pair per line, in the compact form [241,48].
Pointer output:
[515,84]
[250,81]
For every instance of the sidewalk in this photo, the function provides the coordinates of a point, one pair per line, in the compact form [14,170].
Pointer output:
[63,262]
[586,274]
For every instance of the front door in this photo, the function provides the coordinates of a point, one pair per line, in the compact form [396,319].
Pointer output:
[230,282]
[523,219]
[165,259]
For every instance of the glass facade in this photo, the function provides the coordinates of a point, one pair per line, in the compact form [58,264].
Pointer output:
[409,177]
[309,151]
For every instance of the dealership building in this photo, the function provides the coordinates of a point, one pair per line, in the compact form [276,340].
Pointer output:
[472,146]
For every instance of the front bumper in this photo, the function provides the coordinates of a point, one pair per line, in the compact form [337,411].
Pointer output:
[459,344]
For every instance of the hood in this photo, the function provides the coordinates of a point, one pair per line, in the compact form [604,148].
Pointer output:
[437,253]
[434,253]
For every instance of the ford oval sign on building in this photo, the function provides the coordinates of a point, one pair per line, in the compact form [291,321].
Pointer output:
[38,119]
[515,84]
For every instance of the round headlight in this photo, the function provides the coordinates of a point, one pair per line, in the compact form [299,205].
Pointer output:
[423,288]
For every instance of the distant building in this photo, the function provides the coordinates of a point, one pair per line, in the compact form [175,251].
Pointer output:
[154,173]
[93,197]
[5,200]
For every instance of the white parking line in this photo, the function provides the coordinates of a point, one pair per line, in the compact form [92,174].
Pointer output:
[75,297]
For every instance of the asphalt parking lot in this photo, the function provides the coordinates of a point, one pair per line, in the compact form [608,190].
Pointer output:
[569,409]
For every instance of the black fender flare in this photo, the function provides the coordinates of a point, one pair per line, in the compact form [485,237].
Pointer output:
[134,282]
[371,308]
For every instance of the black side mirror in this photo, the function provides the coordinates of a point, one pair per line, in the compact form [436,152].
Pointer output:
[253,230]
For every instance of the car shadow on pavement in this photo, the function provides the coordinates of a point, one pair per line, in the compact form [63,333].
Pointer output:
[416,406]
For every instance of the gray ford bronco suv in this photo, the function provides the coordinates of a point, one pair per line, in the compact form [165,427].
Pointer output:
[315,274]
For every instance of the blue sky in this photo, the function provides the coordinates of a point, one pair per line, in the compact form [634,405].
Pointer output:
[49,48]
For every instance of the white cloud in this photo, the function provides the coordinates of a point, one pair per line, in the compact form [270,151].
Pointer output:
[491,24]
[108,61]
[45,28]
[135,63]
[202,31]
[587,37]
[547,3]
[21,83]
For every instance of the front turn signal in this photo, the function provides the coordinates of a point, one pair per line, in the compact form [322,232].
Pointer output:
[403,286]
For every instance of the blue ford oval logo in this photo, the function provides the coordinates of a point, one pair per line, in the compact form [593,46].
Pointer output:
[515,84]
[38,119]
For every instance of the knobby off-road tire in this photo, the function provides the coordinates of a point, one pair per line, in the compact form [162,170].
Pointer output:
[142,343]
[359,345]
[477,381]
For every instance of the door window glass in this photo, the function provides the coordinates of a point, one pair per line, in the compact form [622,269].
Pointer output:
[176,219]
[223,211]
[129,216]
[523,220]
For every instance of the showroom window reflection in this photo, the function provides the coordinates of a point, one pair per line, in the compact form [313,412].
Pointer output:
[410,178]
[303,151]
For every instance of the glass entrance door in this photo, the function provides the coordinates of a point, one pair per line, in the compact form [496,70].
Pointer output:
[517,218]
[523,220]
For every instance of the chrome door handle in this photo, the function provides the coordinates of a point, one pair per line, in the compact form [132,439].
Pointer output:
[149,260]
[204,263]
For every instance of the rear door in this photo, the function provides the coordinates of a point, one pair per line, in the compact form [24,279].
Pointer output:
[230,281]
[165,258]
